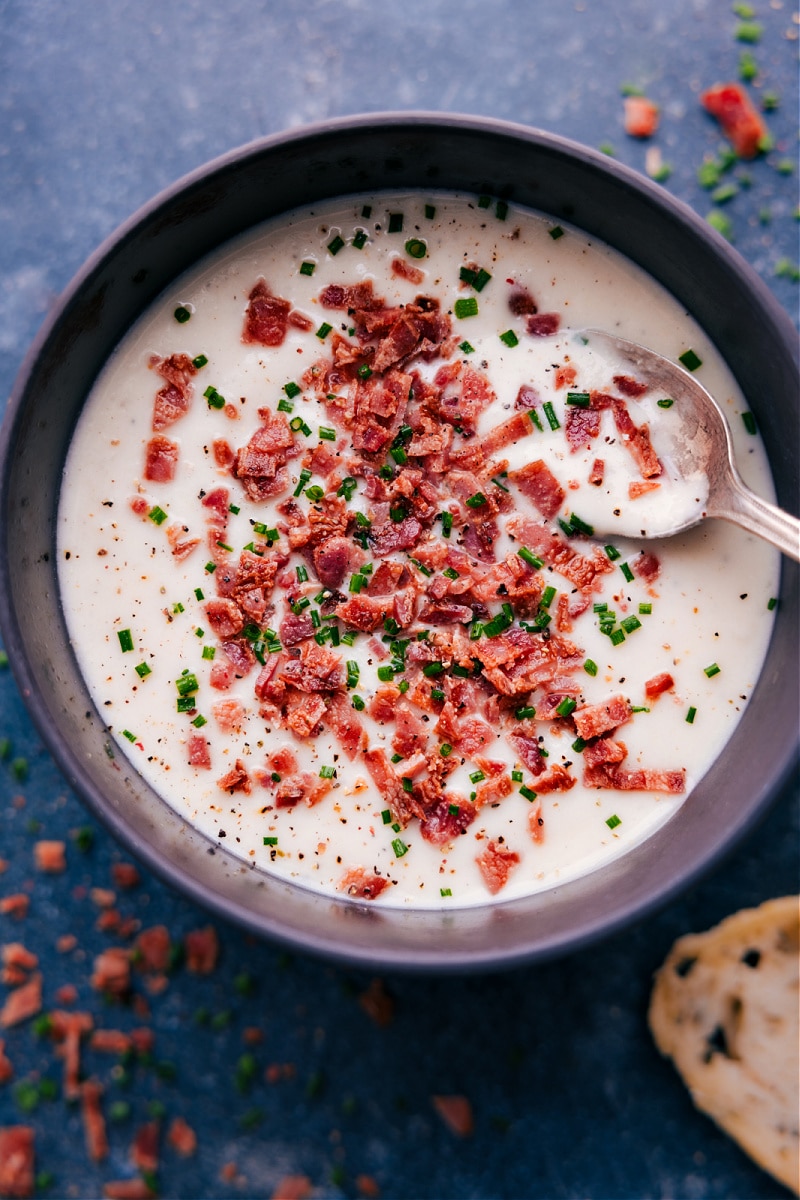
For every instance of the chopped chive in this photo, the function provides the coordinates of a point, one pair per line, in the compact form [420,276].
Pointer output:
[209,652]
[303,479]
[525,713]
[307,268]
[530,558]
[772,603]
[302,574]
[143,670]
[613,821]
[403,686]
[364,371]
[285,405]
[199,362]
[366,210]
[749,423]
[579,745]
[326,772]
[667,402]
[548,595]
[445,749]
[527,792]
[399,847]
[181,314]
[125,640]
[611,553]
[270,841]
[395,222]
[645,609]
[347,487]
[509,338]
[386,817]
[556,232]
[126,733]
[298,425]
[430,211]
[549,412]
[187,683]
[501,210]
[466,347]
[157,515]
[215,400]
[580,526]
[690,360]
[590,667]
[626,571]
[185,704]
[447,524]
[466,306]
[416,248]
[292,389]
[475,501]
[386,674]
[324,330]
[358,704]
[335,245]
[477,777]
[579,399]
[199,721]
[178,608]
[630,624]
[711,671]
[360,239]
[432,669]
[690,716]
[567,706]
[497,625]
[534,416]
[327,434]
[617,637]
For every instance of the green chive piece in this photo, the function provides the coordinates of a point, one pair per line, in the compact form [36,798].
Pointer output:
[157,515]
[475,501]
[509,338]
[466,306]
[528,793]
[579,399]
[611,553]
[690,360]
[550,414]
[525,713]
[416,248]
[613,821]
[335,245]
[630,624]
[530,558]
[125,640]
[270,841]
[690,716]
[324,330]
[626,571]
[199,361]
[360,239]
[445,749]
[143,670]
[711,671]
[667,402]
[181,314]
[750,423]
[395,222]
[590,667]
[466,348]
[307,268]
[556,232]
[567,706]
[399,847]
[501,210]
[772,603]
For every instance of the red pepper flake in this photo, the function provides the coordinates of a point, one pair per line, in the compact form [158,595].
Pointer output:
[456,1112]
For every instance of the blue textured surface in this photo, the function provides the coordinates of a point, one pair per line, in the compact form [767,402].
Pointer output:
[100,106]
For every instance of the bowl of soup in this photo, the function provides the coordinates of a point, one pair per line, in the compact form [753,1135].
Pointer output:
[323,553]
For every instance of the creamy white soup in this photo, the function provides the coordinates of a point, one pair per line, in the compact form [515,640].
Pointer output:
[327,554]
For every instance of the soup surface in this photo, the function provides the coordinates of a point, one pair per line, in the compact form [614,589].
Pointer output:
[327,561]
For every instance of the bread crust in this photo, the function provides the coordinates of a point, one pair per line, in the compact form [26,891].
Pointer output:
[724,1008]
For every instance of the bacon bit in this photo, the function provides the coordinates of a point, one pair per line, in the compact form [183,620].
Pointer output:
[228,1171]
[630,386]
[103,897]
[152,949]
[112,971]
[23,1003]
[6,1066]
[641,116]
[15,906]
[68,1029]
[144,1150]
[636,439]
[173,400]
[496,864]
[66,994]
[658,685]
[161,459]
[266,317]
[536,824]
[279,1072]
[199,753]
[346,726]
[558,779]
[741,122]
[236,780]
[641,488]
[539,484]
[456,1112]
[350,296]
[581,426]
[604,750]
[125,875]
[225,617]
[293,1187]
[15,955]
[598,472]
[377,1003]
[94,1125]
[110,1041]
[593,719]
[406,271]
[128,1189]
[612,776]
[362,884]
[565,377]
[646,566]
[201,947]
[50,857]
[252,1035]
[182,546]
[368,1187]
[181,1137]
[543,324]
[17,1162]
[66,942]
[520,302]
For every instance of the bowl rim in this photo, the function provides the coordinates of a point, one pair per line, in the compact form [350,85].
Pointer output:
[594,925]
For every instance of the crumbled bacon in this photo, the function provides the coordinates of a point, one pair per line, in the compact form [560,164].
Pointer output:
[543,324]
[594,719]
[539,484]
[181,1137]
[173,400]
[641,116]
[236,780]
[94,1125]
[202,950]
[640,487]
[266,317]
[17,1162]
[495,865]
[630,386]
[161,459]
[741,121]
[646,566]
[260,466]
[23,1002]
[50,856]
[199,752]
[362,884]
[597,472]
[658,685]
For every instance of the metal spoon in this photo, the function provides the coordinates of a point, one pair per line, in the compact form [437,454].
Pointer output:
[703,446]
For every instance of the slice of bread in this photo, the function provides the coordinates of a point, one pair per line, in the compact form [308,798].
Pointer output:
[725,1009]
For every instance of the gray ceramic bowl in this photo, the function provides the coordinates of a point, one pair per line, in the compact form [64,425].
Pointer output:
[559,178]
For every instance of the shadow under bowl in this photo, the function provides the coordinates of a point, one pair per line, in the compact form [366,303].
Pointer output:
[362,154]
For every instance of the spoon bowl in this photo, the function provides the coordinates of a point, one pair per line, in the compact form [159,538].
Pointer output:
[700,445]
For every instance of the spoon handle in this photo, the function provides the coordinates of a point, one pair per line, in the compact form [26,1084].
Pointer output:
[735,502]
